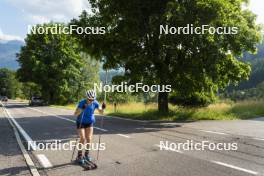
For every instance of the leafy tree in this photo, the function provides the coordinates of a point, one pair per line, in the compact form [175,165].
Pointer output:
[29,89]
[9,86]
[55,63]
[88,76]
[192,64]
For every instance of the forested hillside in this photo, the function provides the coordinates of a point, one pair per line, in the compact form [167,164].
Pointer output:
[252,88]
[8,52]
[257,74]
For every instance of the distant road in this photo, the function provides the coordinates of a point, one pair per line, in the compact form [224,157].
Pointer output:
[132,148]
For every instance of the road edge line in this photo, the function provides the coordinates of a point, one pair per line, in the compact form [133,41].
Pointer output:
[28,160]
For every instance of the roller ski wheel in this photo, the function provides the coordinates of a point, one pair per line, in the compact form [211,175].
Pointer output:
[88,161]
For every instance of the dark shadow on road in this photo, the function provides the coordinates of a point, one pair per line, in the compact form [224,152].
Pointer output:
[13,170]
[44,127]
[8,143]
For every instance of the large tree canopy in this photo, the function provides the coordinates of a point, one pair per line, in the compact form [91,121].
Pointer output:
[192,64]
[55,63]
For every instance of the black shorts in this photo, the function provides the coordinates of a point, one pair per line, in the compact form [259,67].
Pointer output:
[83,125]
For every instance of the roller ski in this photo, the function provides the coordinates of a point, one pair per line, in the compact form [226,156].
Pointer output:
[88,160]
[85,164]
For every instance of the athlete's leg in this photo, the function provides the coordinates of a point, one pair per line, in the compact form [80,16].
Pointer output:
[81,132]
[88,136]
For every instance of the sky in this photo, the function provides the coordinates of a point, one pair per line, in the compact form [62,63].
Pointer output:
[16,15]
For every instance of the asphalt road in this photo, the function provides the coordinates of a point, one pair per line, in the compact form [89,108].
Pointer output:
[132,147]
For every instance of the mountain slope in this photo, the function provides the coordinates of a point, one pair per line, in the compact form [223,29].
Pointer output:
[8,52]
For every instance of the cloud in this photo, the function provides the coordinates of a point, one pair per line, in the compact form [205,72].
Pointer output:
[6,37]
[257,7]
[39,11]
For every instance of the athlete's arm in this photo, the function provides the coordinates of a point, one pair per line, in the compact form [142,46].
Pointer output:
[101,109]
[80,108]
[77,112]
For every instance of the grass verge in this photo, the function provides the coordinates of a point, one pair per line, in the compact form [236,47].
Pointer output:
[70,106]
[217,111]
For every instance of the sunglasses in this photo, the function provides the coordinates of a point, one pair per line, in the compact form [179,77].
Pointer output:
[90,100]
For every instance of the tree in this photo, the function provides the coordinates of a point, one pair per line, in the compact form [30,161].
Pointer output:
[30,89]
[55,63]
[88,76]
[192,64]
[8,84]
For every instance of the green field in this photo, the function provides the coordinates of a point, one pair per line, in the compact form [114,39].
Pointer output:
[225,110]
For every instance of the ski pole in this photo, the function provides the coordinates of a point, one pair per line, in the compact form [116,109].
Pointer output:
[102,119]
[73,152]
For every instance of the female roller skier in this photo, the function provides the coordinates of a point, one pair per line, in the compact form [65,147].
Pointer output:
[85,121]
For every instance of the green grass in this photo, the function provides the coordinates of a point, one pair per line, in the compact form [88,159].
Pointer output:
[248,109]
[70,106]
[218,111]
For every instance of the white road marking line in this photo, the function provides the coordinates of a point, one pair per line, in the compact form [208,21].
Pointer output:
[30,142]
[44,160]
[214,132]
[167,148]
[101,129]
[113,117]
[235,167]
[51,114]
[216,162]
[259,139]
[123,135]
[63,118]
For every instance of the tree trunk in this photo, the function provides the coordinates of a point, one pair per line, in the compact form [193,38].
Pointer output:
[163,102]
[51,97]
[161,64]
